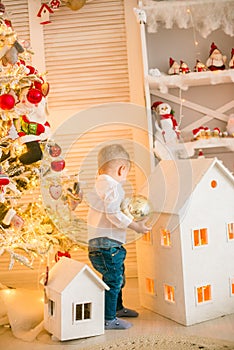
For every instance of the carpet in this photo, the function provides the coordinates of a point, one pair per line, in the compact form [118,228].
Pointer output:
[158,342]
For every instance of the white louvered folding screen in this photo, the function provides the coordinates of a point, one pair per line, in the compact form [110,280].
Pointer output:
[86,55]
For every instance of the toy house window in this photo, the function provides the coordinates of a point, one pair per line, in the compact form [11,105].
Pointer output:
[150,287]
[200,237]
[230,230]
[169,293]
[165,238]
[51,307]
[203,293]
[82,311]
[232,286]
[213,183]
[147,237]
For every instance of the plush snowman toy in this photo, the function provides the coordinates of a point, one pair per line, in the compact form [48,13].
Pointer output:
[165,122]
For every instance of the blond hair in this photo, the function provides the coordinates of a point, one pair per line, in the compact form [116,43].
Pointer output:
[111,154]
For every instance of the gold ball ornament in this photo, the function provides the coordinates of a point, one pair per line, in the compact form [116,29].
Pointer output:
[75,5]
[137,208]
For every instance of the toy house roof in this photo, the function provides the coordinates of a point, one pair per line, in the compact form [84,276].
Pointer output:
[173,181]
[66,269]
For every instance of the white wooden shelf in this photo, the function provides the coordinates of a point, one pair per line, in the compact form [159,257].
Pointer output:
[184,81]
[192,146]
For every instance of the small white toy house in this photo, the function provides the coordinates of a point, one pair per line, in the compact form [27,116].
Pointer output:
[185,264]
[74,301]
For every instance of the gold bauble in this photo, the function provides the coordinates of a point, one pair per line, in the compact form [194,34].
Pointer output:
[137,208]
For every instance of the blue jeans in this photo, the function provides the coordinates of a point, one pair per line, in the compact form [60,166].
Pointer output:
[107,257]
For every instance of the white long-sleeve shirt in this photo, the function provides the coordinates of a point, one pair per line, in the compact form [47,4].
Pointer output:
[105,218]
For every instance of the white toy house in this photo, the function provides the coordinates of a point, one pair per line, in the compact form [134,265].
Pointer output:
[185,264]
[74,301]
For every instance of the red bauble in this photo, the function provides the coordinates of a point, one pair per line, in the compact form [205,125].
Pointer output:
[58,165]
[55,150]
[60,254]
[7,102]
[34,96]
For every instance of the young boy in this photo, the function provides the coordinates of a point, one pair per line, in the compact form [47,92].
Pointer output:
[107,230]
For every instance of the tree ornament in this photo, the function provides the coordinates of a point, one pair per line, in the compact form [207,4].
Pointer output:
[55,150]
[216,60]
[31,70]
[58,165]
[75,5]
[54,4]
[137,208]
[55,191]
[7,102]
[34,96]
[60,254]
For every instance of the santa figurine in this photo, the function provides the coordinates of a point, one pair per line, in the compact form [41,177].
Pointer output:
[231,62]
[174,67]
[200,67]
[165,122]
[216,60]
[184,69]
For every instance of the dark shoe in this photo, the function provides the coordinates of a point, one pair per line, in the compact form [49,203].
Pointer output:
[126,313]
[117,324]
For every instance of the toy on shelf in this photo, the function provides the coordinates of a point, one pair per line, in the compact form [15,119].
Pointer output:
[216,60]
[231,62]
[174,67]
[230,125]
[184,69]
[165,122]
[200,67]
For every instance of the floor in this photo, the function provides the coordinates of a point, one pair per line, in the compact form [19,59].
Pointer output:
[147,323]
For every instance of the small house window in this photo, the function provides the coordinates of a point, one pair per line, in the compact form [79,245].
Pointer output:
[51,307]
[82,311]
[200,237]
[203,293]
[213,183]
[147,236]
[150,286]
[232,286]
[165,238]
[169,293]
[230,230]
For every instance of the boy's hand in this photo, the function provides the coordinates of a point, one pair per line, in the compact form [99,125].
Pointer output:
[140,226]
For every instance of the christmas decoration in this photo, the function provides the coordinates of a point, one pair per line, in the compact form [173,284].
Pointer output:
[174,67]
[44,13]
[230,125]
[216,60]
[184,69]
[165,122]
[200,67]
[75,5]
[137,208]
[231,62]
[27,231]
[55,4]
[58,165]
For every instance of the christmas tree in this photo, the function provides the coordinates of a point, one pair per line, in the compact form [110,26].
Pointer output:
[26,229]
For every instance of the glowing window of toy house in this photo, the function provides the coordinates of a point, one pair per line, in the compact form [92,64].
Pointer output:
[147,236]
[232,286]
[200,237]
[230,230]
[51,307]
[150,286]
[165,238]
[82,311]
[203,293]
[169,293]
[213,183]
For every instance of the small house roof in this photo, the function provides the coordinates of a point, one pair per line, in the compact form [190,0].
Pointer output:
[66,269]
[173,181]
